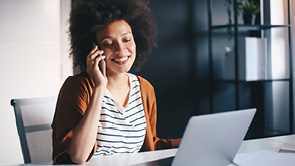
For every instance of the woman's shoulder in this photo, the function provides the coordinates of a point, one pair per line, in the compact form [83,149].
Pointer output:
[80,81]
[80,78]
[146,87]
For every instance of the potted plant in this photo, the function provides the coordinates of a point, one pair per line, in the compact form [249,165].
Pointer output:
[250,10]
[229,6]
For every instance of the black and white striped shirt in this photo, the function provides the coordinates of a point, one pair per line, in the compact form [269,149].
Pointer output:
[121,130]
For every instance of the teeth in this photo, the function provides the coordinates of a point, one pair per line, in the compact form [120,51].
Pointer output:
[121,59]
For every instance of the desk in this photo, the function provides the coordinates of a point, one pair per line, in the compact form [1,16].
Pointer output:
[249,146]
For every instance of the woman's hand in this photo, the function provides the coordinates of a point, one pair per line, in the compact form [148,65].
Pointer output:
[92,61]
[85,132]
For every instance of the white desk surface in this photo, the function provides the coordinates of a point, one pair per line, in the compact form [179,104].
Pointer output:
[249,146]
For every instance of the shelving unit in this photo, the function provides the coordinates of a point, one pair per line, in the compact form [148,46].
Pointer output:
[235,85]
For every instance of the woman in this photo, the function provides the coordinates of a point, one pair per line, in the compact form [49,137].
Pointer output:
[101,113]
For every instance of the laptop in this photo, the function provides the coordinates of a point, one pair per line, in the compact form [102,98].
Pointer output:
[210,140]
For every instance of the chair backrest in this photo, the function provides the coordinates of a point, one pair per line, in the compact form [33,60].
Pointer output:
[33,119]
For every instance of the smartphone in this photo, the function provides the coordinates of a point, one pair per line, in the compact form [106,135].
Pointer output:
[101,64]
[102,67]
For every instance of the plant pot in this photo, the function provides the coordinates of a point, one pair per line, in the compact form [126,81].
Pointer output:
[249,18]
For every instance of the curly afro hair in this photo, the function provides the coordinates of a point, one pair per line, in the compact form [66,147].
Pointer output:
[87,16]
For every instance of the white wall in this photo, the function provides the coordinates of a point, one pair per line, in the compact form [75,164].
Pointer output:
[292,7]
[34,60]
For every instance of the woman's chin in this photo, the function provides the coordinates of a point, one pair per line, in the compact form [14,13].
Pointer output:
[121,70]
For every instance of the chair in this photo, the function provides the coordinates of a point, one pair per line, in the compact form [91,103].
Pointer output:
[33,119]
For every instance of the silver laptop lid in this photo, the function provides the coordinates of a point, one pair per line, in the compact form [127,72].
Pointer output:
[213,139]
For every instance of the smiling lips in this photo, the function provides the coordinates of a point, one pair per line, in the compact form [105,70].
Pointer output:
[122,60]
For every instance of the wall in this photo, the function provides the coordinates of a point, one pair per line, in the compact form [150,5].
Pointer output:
[34,60]
[178,68]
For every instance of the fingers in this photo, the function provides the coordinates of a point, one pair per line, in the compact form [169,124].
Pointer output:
[94,49]
[94,53]
[98,59]
[92,62]
[93,67]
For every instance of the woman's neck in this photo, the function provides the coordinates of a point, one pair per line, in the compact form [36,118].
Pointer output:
[119,87]
[118,82]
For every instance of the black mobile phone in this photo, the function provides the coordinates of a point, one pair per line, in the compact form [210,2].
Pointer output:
[101,64]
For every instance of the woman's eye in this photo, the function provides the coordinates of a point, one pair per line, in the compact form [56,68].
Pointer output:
[127,40]
[108,44]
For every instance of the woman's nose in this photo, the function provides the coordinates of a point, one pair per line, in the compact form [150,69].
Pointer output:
[120,48]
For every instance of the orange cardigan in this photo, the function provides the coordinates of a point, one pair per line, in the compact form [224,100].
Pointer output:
[72,102]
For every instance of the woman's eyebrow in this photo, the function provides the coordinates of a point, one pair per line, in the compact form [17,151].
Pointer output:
[125,33]
[108,37]
[105,37]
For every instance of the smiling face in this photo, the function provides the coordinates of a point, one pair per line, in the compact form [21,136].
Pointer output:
[117,42]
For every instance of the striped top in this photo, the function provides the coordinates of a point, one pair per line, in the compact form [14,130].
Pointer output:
[121,130]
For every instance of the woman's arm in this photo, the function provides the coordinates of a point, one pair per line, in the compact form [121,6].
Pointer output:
[86,130]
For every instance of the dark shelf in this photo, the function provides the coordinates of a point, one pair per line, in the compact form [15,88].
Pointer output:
[253,91]
[244,81]
[249,26]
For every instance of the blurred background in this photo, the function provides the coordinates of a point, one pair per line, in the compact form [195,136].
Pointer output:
[192,70]
[178,69]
